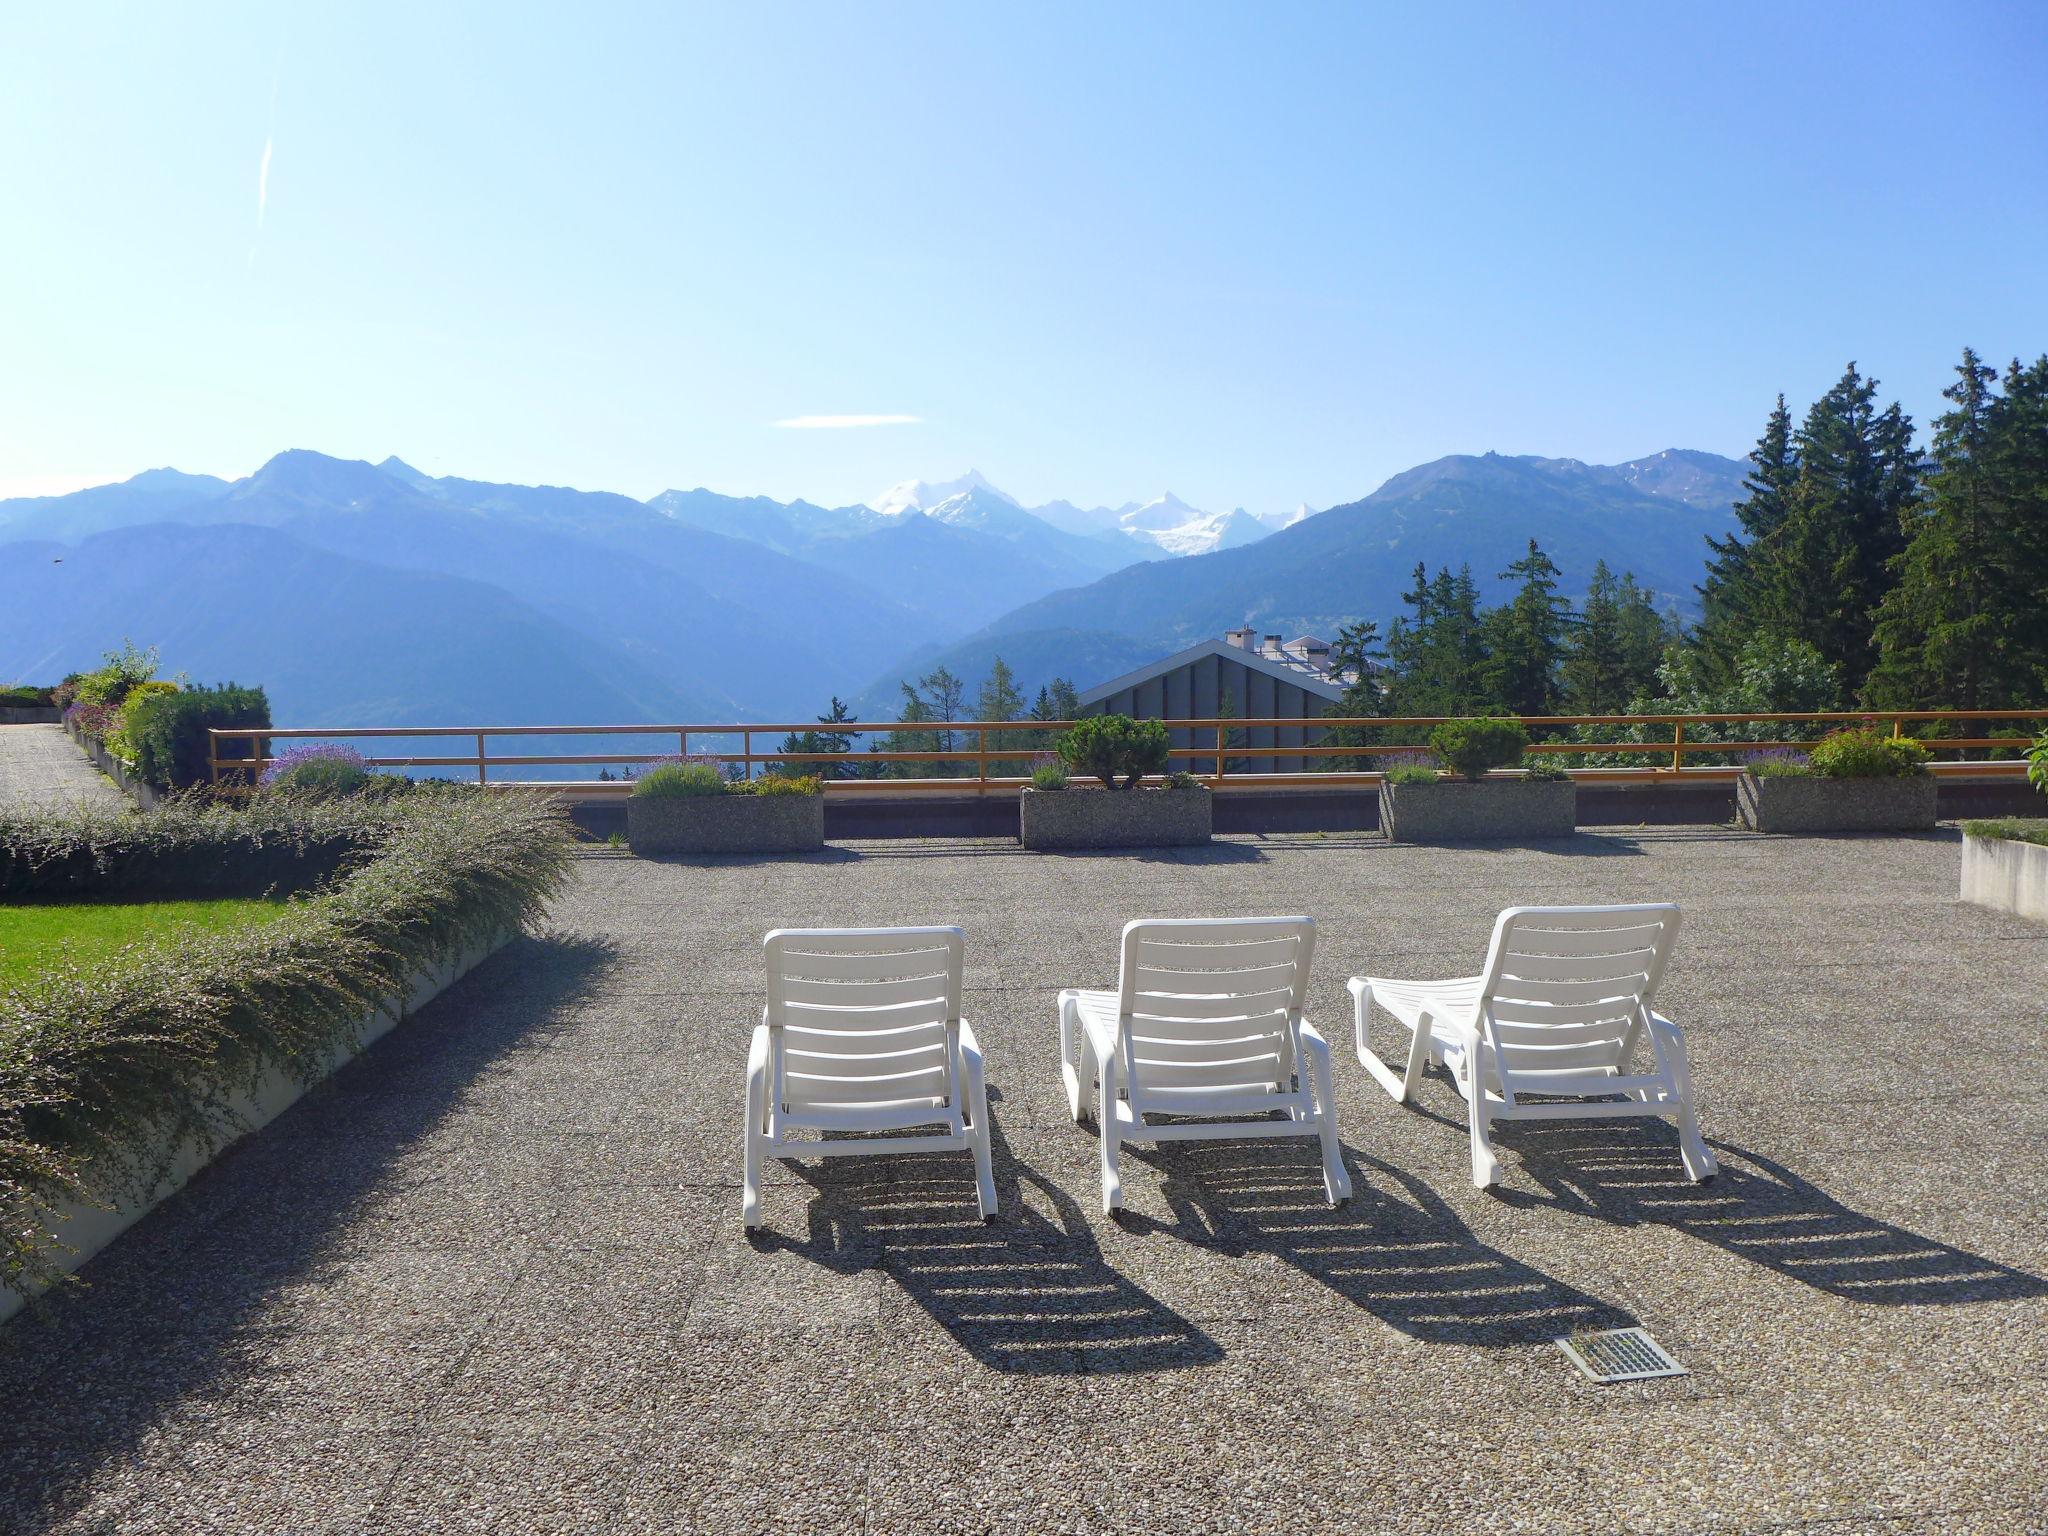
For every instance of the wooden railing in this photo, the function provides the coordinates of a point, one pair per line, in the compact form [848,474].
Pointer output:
[249,754]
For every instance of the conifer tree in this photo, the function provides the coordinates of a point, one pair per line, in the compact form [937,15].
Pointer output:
[998,698]
[1526,637]
[1730,597]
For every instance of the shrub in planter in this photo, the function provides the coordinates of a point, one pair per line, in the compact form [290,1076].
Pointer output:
[690,807]
[1049,773]
[1417,805]
[168,730]
[1470,747]
[1854,780]
[1115,747]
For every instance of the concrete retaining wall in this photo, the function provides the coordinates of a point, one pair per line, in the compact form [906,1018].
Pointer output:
[2007,875]
[85,1230]
[18,714]
[145,796]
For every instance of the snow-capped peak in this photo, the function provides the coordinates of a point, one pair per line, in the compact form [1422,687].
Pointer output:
[924,495]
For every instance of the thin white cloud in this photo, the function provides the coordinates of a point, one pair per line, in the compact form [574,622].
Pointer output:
[263,184]
[812,423]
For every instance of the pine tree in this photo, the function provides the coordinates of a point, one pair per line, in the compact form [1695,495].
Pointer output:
[1829,566]
[1730,597]
[1527,637]
[999,698]
[820,741]
[1646,637]
[1593,673]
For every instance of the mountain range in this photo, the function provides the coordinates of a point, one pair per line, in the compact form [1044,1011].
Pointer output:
[375,594]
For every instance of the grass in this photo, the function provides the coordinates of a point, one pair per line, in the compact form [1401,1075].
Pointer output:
[87,932]
[2014,828]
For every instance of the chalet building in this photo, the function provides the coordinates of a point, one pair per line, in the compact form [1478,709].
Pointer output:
[1245,675]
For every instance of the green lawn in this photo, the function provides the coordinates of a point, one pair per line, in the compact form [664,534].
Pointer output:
[34,933]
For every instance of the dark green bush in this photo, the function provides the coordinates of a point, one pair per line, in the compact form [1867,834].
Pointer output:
[1544,768]
[168,730]
[1470,747]
[1865,752]
[1113,747]
[2037,763]
[679,781]
[22,696]
[105,1072]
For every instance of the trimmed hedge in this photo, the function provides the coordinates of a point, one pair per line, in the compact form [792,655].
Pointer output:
[106,1072]
[2012,829]
[168,730]
[22,696]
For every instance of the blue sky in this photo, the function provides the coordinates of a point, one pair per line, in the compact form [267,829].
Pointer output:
[1259,255]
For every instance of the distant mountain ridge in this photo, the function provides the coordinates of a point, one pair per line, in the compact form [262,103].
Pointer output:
[376,594]
[1650,516]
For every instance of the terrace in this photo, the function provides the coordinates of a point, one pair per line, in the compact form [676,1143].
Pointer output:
[491,1276]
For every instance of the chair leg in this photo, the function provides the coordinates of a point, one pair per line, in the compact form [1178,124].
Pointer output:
[1111,1138]
[1315,1052]
[757,1123]
[978,1134]
[1401,1088]
[1485,1165]
[1669,1043]
[1073,1055]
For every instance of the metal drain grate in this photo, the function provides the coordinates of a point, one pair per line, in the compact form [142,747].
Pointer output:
[1619,1354]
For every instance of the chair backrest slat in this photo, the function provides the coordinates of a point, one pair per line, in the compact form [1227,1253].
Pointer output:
[866,1020]
[1566,987]
[1209,1009]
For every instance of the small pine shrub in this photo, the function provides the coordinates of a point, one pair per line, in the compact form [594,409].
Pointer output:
[1469,748]
[1410,773]
[1544,769]
[1180,778]
[679,781]
[1113,747]
[1864,752]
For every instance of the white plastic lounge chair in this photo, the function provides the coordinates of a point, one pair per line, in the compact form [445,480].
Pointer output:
[863,1032]
[1205,1021]
[1560,1011]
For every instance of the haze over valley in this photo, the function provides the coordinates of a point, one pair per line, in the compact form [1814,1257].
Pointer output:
[374,594]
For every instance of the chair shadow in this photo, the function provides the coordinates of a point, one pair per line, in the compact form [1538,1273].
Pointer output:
[157,1319]
[1027,1294]
[1395,1249]
[1628,1172]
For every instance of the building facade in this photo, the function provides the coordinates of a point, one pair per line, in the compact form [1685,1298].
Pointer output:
[1243,676]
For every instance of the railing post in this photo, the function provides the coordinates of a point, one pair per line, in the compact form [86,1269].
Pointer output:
[981,761]
[1222,741]
[682,743]
[212,755]
[480,757]
[747,751]
[1678,745]
[256,756]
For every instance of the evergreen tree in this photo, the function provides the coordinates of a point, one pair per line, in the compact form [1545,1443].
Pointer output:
[1730,596]
[1963,629]
[1646,637]
[1436,656]
[999,698]
[1830,564]
[1526,637]
[820,741]
[1593,674]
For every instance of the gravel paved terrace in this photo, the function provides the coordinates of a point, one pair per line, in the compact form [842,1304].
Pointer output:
[40,765]
[492,1277]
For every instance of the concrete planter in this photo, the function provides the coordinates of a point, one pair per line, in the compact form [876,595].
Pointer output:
[147,797]
[1503,810]
[24,714]
[666,824]
[80,1231]
[1807,804]
[2006,875]
[1122,818]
